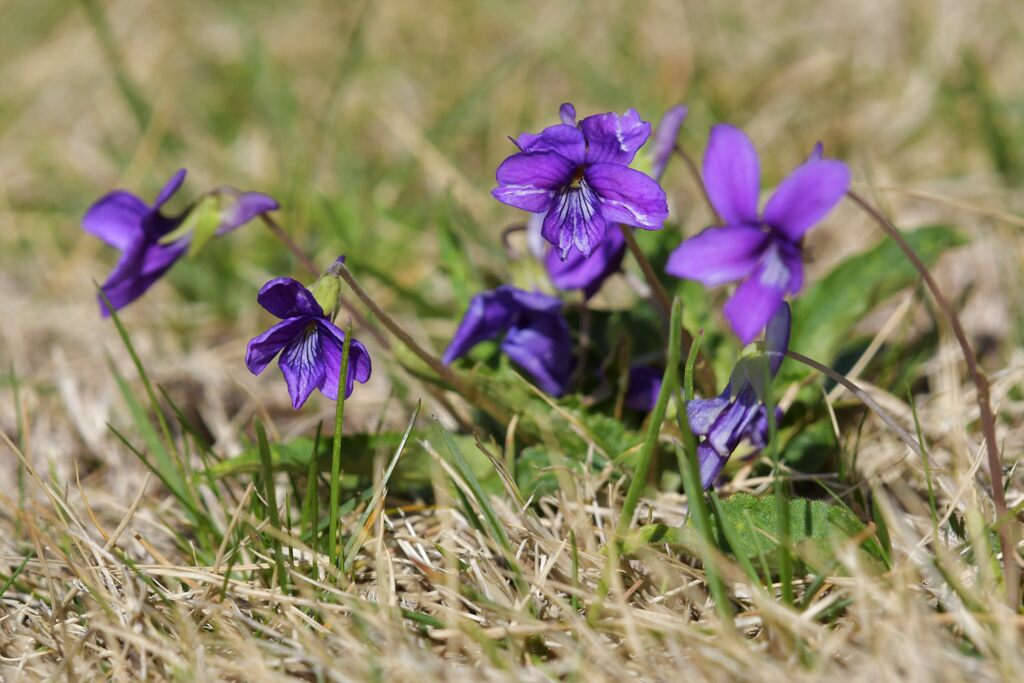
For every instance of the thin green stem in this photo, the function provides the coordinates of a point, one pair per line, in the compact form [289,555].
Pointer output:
[689,467]
[781,499]
[670,380]
[706,377]
[691,165]
[334,547]
[271,496]
[468,391]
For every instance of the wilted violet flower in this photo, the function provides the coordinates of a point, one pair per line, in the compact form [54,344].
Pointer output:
[577,271]
[535,335]
[144,235]
[763,250]
[738,412]
[309,343]
[578,175]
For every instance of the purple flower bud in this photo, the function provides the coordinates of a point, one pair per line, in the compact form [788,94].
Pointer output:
[310,345]
[763,250]
[533,332]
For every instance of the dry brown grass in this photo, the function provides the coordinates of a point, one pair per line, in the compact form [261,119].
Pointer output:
[399,107]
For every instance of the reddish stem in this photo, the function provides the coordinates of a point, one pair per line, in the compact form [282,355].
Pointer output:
[988,420]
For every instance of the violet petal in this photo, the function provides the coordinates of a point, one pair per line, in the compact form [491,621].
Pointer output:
[302,364]
[628,196]
[665,136]
[262,348]
[489,315]
[587,273]
[751,306]
[614,138]
[332,341]
[718,255]
[567,113]
[169,189]
[575,220]
[701,413]
[245,207]
[732,175]
[287,298]
[543,351]
[116,218]
[806,196]
[530,180]
[566,141]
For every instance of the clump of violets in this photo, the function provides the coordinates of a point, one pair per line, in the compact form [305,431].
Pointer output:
[577,271]
[578,176]
[761,249]
[739,412]
[151,242]
[534,334]
[309,344]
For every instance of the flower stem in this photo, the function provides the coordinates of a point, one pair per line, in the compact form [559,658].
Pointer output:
[669,382]
[691,165]
[334,548]
[660,295]
[285,239]
[271,495]
[988,422]
[705,376]
[468,391]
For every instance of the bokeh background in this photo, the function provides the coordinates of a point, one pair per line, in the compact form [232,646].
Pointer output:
[378,127]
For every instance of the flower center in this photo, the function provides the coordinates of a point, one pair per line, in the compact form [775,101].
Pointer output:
[577,178]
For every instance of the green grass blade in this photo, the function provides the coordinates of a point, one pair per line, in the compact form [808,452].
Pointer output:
[359,537]
[333,545]
[271,496]
[669,382]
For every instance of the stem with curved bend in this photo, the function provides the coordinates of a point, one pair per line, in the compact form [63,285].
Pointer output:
[988,420]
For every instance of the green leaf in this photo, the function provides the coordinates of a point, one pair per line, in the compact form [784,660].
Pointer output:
[825,314]
[817,528]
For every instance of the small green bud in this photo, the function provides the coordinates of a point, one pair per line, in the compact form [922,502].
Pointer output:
[327,292]
[202,222]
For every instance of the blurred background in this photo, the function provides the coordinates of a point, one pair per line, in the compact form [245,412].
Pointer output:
[378,127]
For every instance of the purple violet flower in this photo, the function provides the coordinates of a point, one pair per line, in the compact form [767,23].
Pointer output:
[579,177]
[535,335]
[126,222]
[577,271]
[738,412]
[309,343]
[763,250]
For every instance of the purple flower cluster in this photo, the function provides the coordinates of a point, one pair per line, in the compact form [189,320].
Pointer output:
[578,181]
[141,231]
